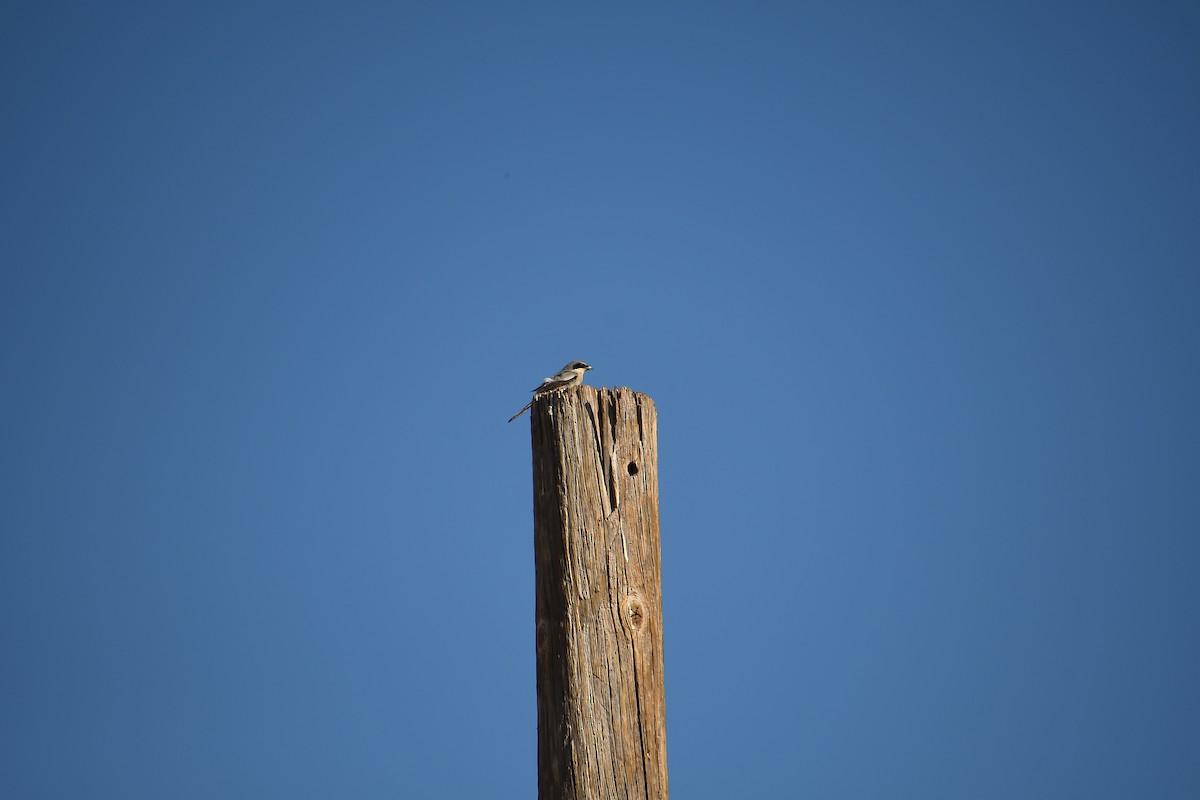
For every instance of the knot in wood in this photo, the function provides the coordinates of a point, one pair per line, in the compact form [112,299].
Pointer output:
[635,611]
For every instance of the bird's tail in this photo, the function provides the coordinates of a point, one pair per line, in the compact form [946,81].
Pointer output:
[528,406]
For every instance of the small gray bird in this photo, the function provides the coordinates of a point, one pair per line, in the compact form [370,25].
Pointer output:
[570,375]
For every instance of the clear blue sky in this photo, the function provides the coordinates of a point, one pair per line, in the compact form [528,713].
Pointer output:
[915,287]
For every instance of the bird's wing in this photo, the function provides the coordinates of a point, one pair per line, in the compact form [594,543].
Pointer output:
[552,382]
[566,376]
[551,385]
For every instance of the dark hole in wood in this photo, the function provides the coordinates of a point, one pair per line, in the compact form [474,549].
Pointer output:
[633,469]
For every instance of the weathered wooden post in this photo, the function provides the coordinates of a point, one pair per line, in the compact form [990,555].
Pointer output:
[601,707]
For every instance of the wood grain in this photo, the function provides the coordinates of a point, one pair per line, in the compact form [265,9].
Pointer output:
[601,707]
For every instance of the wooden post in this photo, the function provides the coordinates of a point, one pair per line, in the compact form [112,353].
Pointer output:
[601,708]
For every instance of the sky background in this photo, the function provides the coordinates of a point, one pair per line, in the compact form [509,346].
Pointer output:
[915,288]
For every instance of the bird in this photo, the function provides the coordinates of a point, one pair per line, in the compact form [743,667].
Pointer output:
[570,375]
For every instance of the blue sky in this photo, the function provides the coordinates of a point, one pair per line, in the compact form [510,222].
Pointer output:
[914,288]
